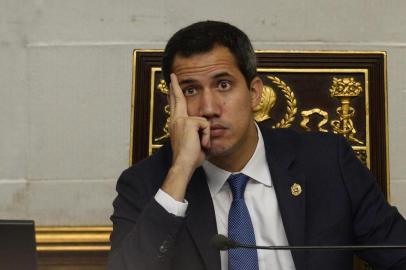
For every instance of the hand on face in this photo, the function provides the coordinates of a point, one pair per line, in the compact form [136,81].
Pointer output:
[190,135]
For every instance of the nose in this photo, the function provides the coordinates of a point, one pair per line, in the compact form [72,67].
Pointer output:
[209,104]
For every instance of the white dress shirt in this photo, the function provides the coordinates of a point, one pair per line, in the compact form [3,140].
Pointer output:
[261,202]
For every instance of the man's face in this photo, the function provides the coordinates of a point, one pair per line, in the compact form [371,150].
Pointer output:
[215,89]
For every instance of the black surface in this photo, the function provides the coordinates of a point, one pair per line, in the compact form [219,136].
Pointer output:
[17,245]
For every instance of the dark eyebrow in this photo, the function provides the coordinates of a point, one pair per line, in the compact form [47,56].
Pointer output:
[187,81]
[219,75]
[222,74]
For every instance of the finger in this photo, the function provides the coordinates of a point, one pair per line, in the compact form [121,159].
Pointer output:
[204,131]
[179,108]
[171,100]
[206,138]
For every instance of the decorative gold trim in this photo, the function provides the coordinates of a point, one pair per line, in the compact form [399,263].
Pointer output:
[65,248]
[151,111]
[368,142]
[151,145]
[290,114]
[306,114]
[56,238]
[149,50]
[344,90]
[385,81]
[314,70]
[364,148]
[292,51]
[163,88]
[320,51]
[46,229]
[132,116]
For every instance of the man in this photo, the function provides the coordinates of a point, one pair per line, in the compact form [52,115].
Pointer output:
[223,174]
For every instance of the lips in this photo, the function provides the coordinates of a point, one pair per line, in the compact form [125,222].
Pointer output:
[217,130]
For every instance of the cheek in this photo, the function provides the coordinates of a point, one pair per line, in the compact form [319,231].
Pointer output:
[237,106]
[192,108]
[244,104]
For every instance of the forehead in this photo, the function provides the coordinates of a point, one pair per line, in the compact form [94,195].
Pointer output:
[218,59]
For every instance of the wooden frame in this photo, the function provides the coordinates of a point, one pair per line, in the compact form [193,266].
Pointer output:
[368,67]
[81,248]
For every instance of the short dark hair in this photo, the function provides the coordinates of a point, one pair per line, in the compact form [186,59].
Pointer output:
[201,37]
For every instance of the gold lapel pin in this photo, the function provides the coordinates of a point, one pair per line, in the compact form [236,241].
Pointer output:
[296,189]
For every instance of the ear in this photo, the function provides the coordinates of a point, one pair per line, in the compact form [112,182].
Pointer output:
[256,86]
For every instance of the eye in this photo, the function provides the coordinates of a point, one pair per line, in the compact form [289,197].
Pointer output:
[224,85]
[189,91]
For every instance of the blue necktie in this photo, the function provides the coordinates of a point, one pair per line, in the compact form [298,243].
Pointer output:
[240,227]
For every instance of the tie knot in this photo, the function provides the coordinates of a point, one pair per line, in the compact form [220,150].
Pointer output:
[237,183]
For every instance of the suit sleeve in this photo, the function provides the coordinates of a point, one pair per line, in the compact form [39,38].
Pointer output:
[144,233]
[375,222]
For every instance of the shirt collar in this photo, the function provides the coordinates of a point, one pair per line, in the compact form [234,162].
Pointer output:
[256,168]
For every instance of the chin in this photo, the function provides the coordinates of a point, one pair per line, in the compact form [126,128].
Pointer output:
[217,151]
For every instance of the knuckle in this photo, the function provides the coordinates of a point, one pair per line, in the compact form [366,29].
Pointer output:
[178,121]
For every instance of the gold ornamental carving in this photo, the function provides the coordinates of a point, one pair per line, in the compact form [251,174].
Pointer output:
[262,111]
[291,108]
[306,118]
[344,89]
[268,101]
[163,88]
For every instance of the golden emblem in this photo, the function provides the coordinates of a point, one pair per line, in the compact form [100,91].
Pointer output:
[164,90]
[344,89]
[306,118]
[268,100]
[291,108]
[296,189]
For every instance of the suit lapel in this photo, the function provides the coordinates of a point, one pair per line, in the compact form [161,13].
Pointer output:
[280,156]
[201,221]
[292,209]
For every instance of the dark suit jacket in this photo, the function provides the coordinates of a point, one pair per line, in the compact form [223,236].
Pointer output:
[340,204]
